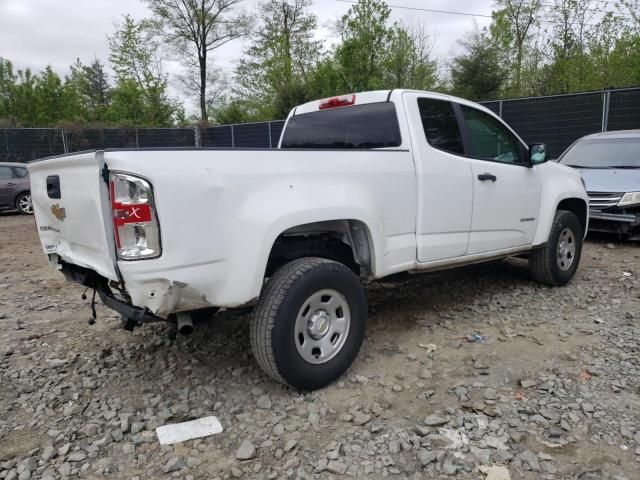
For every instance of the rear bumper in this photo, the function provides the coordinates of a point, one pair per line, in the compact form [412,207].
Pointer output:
[144,295]
[139,315]
[165,290]
[91,279]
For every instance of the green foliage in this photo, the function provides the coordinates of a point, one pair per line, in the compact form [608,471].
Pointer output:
[27,99]
[86,96]
[278,62]
[532,47]
[50,96]
[285,66]
[128,103]
[7,82]
[140,96]
[567,45]
[325,80]
[513,25]
[25,103]
[134,53]
[478,73]
[233,111]
[90,86]
[407,62]
[365,37]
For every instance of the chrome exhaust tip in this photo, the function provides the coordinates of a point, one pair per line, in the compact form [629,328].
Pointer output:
[184,324]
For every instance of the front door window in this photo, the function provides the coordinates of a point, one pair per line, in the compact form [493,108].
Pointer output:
[490,140]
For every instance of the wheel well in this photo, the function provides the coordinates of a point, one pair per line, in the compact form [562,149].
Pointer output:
[345,241]
[578,207]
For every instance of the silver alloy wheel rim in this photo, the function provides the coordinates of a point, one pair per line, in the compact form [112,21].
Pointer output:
[25,204]
[566,249]
[322,326]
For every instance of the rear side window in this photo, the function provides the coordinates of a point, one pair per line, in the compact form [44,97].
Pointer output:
[441,125]
[5,172]
[20,172]
[373,125]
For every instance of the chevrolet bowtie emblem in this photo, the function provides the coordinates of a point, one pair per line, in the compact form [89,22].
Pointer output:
[58,212]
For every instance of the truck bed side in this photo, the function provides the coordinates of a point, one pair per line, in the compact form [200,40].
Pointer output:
[220,212]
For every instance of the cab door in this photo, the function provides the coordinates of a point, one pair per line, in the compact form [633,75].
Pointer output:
[445,185]
[506,192]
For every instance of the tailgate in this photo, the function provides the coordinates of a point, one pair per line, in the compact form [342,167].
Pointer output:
[71,208]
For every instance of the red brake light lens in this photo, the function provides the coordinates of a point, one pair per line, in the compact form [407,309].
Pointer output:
[135,224]
[125,214]
[335,102]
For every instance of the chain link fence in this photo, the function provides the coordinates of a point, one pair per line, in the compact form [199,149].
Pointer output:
[557,120]
[25,144]
[243,135]
[560,120]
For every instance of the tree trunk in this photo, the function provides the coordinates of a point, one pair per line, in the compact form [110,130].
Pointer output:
[287,47]
[202,59]
[519,56]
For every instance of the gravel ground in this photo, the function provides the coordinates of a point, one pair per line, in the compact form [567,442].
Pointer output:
[476,373]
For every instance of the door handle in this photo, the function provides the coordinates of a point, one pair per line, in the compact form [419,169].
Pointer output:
[484,177]
[11,184]
[53,186]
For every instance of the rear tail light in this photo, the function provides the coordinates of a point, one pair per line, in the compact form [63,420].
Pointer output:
[335,102]
[135,223]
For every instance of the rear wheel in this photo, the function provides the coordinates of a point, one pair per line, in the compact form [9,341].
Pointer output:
[309,323]
[557,262]
[23,203]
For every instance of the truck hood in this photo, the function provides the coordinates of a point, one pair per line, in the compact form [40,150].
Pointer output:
[611,180]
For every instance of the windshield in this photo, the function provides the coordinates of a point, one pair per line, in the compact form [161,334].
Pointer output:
[373,125]
[604,153]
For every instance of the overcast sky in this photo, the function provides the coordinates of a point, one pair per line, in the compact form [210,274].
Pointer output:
[35,33]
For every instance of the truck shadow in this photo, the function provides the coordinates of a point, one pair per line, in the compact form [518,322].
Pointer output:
[395,305]
[603,239]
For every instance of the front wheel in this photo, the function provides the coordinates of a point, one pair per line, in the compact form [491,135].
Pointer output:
[309,323]
[23,203]
[557,262]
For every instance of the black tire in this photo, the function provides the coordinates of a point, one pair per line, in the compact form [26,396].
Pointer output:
[545,263]
[23,203]
[273,337]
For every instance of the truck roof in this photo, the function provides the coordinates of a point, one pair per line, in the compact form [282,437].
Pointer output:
[376,96]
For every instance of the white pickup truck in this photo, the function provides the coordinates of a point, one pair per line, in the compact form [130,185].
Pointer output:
[362,186]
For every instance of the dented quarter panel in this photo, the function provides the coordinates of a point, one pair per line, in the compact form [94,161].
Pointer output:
[220,211]
[164,297]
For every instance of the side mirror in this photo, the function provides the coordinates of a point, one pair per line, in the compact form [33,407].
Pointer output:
[537,153]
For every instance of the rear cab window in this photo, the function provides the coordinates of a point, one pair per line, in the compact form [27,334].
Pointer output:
[367,126]
[440,125]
